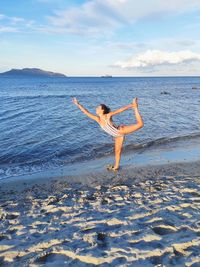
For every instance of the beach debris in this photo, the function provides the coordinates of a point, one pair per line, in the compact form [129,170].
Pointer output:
[101,236]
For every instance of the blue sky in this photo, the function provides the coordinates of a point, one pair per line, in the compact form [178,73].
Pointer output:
[97,37]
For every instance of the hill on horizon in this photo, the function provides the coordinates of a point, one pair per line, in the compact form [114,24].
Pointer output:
[31,72]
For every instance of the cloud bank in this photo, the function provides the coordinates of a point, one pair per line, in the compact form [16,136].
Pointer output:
[96,15]
[156,58]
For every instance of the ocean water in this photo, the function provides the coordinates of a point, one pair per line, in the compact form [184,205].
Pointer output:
[42,129]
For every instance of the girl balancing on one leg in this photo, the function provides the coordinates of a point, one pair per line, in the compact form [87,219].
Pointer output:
[104,119]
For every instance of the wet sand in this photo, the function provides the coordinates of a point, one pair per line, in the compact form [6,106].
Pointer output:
[141,216]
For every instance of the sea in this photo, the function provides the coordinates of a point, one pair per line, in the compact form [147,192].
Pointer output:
[41,129]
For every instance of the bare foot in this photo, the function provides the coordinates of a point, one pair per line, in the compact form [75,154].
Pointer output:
[112,168]
[135,103]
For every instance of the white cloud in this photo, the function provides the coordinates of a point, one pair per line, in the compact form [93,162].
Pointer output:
[14,24]
[11,19]
[154,58]
[132,10]
[4,29]
[88,18]
[97,15]
[16,20]
[2,16]
[132,47]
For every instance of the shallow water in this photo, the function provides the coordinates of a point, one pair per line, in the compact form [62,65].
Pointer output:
[41,128]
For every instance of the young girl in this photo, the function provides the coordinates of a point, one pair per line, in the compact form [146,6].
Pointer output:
[104,119]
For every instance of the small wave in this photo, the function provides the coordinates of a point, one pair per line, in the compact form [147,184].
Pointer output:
[84,152]
[41,96]
[161,141]
[88,152]
[166,140]
[16,115]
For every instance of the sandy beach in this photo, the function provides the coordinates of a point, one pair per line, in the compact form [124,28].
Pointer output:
[141,216]
[100,133]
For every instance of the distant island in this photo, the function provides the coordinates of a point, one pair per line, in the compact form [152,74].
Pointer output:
[31,72]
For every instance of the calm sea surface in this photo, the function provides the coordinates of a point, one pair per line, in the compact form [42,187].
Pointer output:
[41,129]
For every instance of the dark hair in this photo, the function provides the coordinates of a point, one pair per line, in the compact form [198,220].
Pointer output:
[106,109]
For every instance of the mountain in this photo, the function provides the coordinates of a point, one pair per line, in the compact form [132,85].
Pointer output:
[31,72]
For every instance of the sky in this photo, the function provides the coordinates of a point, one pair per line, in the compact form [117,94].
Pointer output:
[99,37]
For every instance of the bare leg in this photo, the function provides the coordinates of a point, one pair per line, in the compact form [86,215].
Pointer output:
[126,129]
[118,149]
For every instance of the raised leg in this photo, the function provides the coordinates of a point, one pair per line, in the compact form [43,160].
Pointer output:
[118,149]
[126,129]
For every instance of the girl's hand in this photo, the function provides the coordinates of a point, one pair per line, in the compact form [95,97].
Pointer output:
[75,101]
[135,103]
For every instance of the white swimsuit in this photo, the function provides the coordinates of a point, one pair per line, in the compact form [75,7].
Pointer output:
[111,129]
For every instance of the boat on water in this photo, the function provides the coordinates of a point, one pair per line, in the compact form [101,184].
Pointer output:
[106,76]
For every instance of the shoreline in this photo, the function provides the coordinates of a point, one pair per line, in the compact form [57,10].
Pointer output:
[129,176]
[142,163]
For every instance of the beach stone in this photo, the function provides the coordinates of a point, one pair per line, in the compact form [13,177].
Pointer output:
[2,237]
[12,216]
[104,201]
[91,197]
[101,236]
[52,200]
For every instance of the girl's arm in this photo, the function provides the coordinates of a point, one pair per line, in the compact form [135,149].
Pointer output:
[112,113]
[84,110]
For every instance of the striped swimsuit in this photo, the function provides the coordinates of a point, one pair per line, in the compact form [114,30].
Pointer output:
[111,129]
